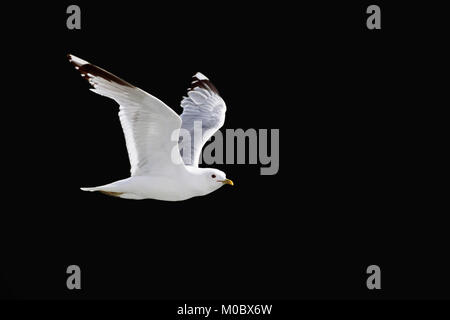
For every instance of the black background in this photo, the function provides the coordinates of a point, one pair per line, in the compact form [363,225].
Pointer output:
[359,174]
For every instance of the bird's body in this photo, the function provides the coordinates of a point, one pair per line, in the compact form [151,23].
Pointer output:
[182,186]
[151,132]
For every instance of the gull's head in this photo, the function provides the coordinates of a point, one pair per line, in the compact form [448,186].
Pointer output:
[206,180]
[214,178]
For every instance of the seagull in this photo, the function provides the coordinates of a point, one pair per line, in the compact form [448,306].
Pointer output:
[152,136]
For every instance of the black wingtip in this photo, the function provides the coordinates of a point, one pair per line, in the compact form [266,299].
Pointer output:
[88,71]
[199,80]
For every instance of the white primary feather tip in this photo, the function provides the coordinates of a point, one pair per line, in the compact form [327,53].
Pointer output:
[200,76]
[77,60]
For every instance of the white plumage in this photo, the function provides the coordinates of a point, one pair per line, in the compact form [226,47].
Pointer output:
[204,105]
[151,135]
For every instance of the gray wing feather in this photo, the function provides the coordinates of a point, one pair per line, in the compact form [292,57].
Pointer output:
[202,108]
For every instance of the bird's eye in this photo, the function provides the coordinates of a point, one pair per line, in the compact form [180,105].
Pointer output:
[213,176]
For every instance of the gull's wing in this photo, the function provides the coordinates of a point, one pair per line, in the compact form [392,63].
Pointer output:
[148,123]
[203,106]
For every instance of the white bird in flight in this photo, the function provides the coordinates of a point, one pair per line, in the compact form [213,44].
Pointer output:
[151,132]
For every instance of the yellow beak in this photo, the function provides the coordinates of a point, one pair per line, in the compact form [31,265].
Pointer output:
[227,181]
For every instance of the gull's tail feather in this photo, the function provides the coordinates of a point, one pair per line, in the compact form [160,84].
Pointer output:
[100,189]
[90,189]
[120,189]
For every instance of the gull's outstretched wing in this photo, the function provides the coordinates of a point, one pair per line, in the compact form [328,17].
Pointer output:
[148,123]
[202,108]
